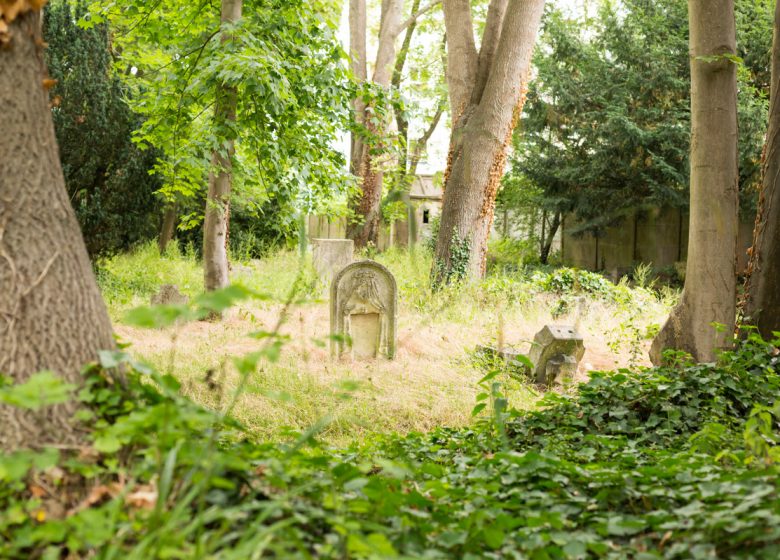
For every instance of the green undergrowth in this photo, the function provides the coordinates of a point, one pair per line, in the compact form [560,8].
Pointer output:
[130,279]
[673,462]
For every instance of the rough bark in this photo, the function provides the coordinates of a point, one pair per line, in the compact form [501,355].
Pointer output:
[363,228]
[168,227]
[709,295]
[462,55]
[482,133]
[52,316]
[215,226]
[762,302]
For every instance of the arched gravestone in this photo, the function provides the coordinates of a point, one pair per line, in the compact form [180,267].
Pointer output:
[363,303]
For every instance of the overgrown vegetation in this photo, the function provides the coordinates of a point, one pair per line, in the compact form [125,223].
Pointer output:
[106,174]
[675,462]
[433,380]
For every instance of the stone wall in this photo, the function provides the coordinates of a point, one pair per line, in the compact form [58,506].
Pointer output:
[656,236]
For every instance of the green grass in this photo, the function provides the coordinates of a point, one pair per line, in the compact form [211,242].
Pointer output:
[433,380]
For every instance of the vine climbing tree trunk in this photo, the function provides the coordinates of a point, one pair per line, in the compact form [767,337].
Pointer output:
[762,290]
[709,295]
[487,91]
[52,316]
[363,225]
[367,152]
[215,226]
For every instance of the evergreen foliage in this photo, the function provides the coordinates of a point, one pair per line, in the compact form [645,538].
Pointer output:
[606,129]
[106,174]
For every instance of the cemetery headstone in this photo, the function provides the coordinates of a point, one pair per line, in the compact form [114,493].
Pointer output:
[330,256]
[363,304]
[555,353]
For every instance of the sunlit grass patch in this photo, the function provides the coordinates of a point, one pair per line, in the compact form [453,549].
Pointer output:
[433,380]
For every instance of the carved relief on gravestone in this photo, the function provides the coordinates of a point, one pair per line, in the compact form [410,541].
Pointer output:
[555,353]
[363,303]
[329,256]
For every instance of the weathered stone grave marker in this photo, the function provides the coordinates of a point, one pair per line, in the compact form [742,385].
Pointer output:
[330,256]
[363,303]
[555,353]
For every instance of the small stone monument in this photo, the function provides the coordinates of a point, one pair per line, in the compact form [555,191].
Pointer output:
[363,303]
[169,295]
[330,256]
[555,353]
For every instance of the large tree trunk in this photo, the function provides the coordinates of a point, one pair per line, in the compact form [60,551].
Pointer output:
[709,295]
[215,227]
[762,303]
[482,130]
[52,316]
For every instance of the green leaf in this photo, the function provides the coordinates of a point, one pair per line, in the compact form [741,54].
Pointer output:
[494,537]
[42,389]
[477,409]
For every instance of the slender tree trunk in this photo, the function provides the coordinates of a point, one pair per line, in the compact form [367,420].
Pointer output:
[400,118]
[483,130]
[168,227]
[358,57]
[762,303]
[215,227]
[709,295]
[364,226]
[52,316]
[547,240]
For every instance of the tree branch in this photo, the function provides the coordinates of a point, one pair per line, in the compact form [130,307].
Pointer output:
[422,142]
[490,39]
[418,14]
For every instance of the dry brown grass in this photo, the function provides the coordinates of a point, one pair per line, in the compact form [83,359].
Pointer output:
[432,381]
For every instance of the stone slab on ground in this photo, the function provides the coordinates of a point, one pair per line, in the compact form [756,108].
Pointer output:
[169,294]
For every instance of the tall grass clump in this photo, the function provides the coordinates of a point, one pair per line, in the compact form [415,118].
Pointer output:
[130,279]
